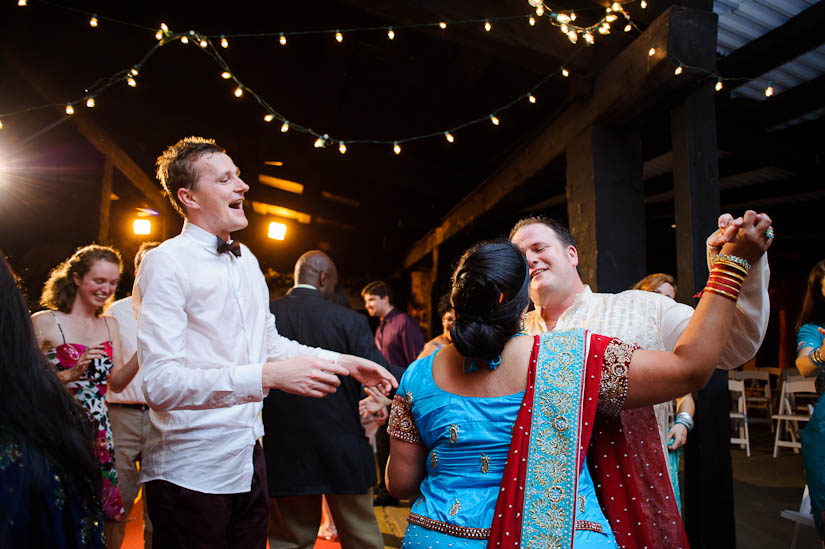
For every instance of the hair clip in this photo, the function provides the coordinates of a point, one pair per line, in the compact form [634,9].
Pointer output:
[500,297]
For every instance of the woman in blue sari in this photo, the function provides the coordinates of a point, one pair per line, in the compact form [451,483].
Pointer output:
[810,360]
[498,435]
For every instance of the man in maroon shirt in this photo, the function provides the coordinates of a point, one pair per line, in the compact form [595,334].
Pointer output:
[399,339]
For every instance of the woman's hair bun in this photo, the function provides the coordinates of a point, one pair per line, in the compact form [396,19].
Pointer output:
[489,295]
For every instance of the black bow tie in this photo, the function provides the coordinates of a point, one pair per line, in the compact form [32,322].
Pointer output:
[233,247]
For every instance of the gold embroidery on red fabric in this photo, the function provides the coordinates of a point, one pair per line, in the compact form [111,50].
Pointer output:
[613,384]
[401,424]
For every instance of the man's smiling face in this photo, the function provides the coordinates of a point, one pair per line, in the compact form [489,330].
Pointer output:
[552,263]
[216,199]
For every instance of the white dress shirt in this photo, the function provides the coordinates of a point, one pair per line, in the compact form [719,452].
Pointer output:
[204,333]
[122,311]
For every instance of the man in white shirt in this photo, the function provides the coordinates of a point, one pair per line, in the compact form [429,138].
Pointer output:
[562,301]
[209,352]
[128,412]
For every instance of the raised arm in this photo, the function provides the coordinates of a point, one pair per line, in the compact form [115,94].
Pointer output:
[811,350]
[657,376]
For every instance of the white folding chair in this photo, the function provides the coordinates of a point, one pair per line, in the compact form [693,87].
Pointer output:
[803,517]
[758,394]
[790,414]
[740,414]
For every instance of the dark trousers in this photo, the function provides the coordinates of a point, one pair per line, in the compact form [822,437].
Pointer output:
[382,454]
[184,518]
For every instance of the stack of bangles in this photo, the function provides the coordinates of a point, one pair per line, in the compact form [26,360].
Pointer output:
[727,274]
[684,418]
[816,358]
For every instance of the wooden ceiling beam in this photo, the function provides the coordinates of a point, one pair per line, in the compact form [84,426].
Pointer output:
[628,83]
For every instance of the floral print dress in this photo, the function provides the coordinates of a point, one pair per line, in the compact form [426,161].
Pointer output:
[90,390]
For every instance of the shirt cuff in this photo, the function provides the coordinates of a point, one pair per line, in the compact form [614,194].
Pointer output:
[332,356]
[248,383]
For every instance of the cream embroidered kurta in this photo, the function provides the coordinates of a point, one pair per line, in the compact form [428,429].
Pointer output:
[655,322]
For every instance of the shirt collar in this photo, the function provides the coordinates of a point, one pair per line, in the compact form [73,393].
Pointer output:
[201,236]
[307,286]
[394,311]
[577,302]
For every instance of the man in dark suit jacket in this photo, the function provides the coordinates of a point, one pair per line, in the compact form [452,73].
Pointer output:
[317,446]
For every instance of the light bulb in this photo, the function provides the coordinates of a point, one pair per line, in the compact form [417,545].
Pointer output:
[159,35]
[443,25]
[93,21]
[494,120]
[540,10]
[396,148]
[342,148]
[164,28]
[565,73]
[449,137]
[616,6]
[532,21]
[718,85]
[678,70]
[282,39]
[563,18]
[588,38]
[643,4]
[1,122]
[268,118]
[391,34]
[487,26]
[339,36]
[203,43]
[769,91]
[572,36]
[69,109]
[572,16]
[610,18]
[285,127]
[652,51]
[238,91]
[90,102]
[531,98]
[565,28]
[627,27]
[131,81]
[134,71]
[604,29]
[184,40]
[224,42]
[20,3]
[226,75]
[319,143]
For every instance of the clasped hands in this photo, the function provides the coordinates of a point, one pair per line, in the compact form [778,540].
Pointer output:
[747,236]
[317,377]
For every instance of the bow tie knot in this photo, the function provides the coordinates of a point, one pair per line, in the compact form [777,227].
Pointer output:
[233,247]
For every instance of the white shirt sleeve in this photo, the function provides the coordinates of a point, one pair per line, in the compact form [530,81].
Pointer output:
[168,383]
[750,322]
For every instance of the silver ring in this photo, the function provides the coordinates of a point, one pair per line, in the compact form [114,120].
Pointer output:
[769,233]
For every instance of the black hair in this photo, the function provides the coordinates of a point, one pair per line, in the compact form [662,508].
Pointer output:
[813,307]
[36,408]
[444,305]
[490,293]
[378,288]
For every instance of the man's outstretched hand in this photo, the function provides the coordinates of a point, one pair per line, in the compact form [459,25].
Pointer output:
[303,375]
[369,373]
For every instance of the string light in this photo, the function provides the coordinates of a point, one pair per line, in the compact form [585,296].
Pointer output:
[449,137]
[573,36]
[238,91]
[184,40]
[616,6]
[282,40]
[718,84]
[610,18]
[572,16]
[540,10]
[342,148]
[320,143]
[134,71]
[203,43]
[531,98]
[564,28]
[588,38]
[678,70]
[339,36]
[224,42]
[268,118]
[285,126]
[443,25]
[627,27]
[643,4]
[494,120]
[226,75]
[565,72]
[132,82]
[487,26]
[90,102]
[69,109]
[532,21]
[159,35]
[21,3]
[652,51]
[93,21]
[396,148]
[769,90]
[391,36]
[563,18]
[164,27]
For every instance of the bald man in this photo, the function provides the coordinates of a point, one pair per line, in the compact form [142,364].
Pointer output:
[317,446]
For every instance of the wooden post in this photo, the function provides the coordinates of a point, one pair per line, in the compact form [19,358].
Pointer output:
[105,201]
[605,203]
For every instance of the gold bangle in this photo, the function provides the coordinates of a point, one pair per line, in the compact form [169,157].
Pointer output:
[732,265]
[731,274]
[722,293]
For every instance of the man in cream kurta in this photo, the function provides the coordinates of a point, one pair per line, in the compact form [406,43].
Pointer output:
[651,320]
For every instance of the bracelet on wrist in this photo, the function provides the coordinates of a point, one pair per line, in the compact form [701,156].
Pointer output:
[733,261]
[815,356]
[684,418]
